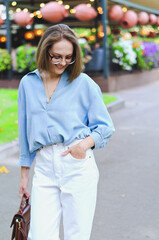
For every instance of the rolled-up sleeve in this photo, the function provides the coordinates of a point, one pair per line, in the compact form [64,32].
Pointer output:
[26,158]
[99,120]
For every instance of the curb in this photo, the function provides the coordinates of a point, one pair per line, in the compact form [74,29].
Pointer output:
[11,148]
[116,105]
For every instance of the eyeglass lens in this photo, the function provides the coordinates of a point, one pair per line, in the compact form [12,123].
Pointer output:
[58,59]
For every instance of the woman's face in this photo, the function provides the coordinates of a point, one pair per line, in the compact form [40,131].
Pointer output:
[61,53]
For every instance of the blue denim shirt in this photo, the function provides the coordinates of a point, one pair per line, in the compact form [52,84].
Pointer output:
[76,110]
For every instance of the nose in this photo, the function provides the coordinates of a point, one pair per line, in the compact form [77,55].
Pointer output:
[63,62]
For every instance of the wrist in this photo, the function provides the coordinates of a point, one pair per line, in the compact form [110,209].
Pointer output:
[25,173]
[87,143]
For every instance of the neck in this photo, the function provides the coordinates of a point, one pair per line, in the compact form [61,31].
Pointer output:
[50,76]
[53,76]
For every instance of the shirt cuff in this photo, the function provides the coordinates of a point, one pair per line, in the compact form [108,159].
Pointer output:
[25,162]
[97,139]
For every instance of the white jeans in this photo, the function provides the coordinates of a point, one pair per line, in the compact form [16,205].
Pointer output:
[63,185]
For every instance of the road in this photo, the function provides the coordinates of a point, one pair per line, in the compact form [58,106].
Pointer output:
[128,192]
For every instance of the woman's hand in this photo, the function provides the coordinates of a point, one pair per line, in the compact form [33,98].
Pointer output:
[24,182]
[79,150]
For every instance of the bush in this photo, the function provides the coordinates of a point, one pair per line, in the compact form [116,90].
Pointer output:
[5,60]
[25,58]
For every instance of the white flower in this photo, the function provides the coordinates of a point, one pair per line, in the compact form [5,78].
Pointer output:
[114,60]
[127,51]
[128,68]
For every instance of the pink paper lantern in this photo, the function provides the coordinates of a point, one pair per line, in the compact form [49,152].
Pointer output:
[54,12]
[157,22]
[84,12]
[129,19]
[1,21]
[23,18]
[115,13]
[143,18]
[152,19]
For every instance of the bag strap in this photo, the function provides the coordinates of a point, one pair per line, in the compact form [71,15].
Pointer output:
[24,202]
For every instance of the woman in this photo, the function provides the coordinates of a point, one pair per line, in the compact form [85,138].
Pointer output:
[61,117]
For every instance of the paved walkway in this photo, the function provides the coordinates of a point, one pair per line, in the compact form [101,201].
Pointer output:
[128,194]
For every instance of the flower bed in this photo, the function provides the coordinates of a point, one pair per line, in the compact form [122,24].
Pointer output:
[129,53]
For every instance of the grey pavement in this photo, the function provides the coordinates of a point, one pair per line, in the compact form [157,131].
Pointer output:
[128,192]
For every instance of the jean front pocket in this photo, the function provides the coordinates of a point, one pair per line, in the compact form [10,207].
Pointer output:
[77,159]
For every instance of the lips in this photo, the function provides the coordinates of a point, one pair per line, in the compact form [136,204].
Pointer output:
[60,67]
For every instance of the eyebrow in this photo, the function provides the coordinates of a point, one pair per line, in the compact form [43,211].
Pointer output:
[61,55]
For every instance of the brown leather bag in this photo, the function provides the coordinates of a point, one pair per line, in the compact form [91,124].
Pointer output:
[21,221]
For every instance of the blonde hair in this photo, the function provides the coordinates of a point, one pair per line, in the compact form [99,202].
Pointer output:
[52,35]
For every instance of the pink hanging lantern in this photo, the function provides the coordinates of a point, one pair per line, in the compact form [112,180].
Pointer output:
[85,13]
[54,12]
[129,19]
[23,18]
[157,22]
[1,21]
[152,19]
[143,18]
[115,13]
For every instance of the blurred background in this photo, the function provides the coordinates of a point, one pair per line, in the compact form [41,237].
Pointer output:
[119,42]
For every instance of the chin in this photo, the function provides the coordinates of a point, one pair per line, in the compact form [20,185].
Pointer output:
[59,69]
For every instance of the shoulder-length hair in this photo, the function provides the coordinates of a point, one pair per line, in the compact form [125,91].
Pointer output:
[52,35]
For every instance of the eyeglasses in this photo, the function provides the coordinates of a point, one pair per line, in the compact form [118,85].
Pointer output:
[59,59]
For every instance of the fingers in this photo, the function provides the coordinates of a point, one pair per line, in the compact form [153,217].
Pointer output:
[23,191]
[76,152]
[66,152]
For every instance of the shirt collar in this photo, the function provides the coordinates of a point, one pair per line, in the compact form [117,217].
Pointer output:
[63,80]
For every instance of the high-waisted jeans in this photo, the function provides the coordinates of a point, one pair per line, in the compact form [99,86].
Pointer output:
[63,186]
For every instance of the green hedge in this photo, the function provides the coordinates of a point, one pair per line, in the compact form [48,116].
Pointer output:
[5,60]
[25,58]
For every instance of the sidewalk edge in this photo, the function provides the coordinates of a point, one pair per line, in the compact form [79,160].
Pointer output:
[116,105]
[9,149]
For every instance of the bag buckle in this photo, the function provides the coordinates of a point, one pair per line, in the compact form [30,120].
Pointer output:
[19,223]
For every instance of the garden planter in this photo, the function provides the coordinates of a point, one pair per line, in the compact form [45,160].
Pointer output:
[54,12]
[157,22]
[152,19]
[23,18]
[85,13]
[144,31]
[129,19]
[152,35]
[143,18]
[115,13]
